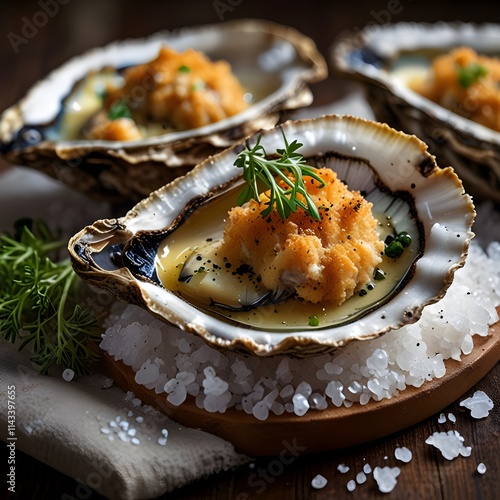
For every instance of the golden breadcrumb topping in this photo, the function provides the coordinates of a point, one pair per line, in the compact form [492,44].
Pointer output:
[324,261]
[180,91]
[467,84]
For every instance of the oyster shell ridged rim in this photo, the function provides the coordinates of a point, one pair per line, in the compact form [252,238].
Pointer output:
[411,35]
[12,119]
[446,244]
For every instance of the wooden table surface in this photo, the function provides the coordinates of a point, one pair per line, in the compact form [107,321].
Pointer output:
[77,26]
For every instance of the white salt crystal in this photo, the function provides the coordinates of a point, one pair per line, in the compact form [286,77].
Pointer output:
[318,402]
[403,454]
[139,419]
[123,436]
[300,405]
[124,425]
[135,441]
[247,404]
[342,468]
[105,430]
[479,404]
[178,395]
[186,378]
[164,432]
[452,418]
[304,388]
[481,468]
[260,411]
[449,443]
[334,391]
[162,441]
[132,432]
[377,362]
[355,387]
[442,418]
[68,374]
[215,386]
[351,485]
[361,477]
[367,468]
[287,391]
[386,478]
[318,482]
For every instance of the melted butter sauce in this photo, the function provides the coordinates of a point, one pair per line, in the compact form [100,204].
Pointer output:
[216,280]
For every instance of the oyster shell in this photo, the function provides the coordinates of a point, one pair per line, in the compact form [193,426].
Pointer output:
[384,58]
[398,176]
[275,63]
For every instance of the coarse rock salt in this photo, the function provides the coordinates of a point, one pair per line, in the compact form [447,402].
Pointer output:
[68,374]
[376,369]
[342,468]
[481,468]
[441,418]
[452,418]
[479,404]
[367,468]
[361,477]
[386,478]
[318,482]
[403,454]
[450,444]
[351,485]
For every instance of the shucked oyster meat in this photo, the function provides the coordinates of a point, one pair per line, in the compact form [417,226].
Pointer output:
[158,254]
[57,127]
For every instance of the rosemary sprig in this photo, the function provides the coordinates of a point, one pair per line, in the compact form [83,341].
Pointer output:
[38,300]
[289,167]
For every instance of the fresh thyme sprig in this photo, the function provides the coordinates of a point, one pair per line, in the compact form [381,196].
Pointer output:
[38,300]
[290,168]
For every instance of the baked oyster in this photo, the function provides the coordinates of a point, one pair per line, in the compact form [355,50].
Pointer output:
[393,61]
[147,256]
[274,65]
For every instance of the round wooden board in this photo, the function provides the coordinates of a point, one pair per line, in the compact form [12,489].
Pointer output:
[332,428]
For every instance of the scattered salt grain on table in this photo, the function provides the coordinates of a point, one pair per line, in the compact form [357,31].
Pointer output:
[361,477]
[351,485]
[342,468]
[479,404]
[452,418]
[403,454]
[450,444]
[481,468]
[318,482]
[386,478]
[442,418]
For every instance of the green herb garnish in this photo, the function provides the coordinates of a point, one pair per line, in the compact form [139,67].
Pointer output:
[313,321]
[470,74]
[257,167]
[38,300]
[378,274]
[395,244]
[119,109]
[184,69]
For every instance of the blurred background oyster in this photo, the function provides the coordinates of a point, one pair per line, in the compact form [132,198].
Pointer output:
[263,70]
[438,81]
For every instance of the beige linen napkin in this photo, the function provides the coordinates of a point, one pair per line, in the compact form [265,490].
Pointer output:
[100,436]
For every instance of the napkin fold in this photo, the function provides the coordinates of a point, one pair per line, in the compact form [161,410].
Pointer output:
[102,437]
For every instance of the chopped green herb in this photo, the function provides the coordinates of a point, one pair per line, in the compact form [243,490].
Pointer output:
[378,274]
[184,69]
[362,292]
[258,167]
[38,300]
[119,109]
[200,270]
[470,74]
[395,244]
[313,321]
